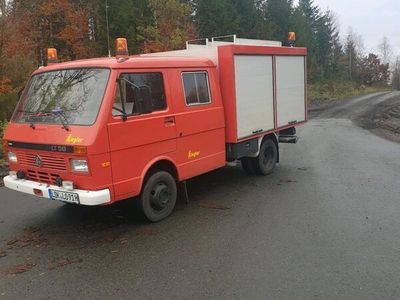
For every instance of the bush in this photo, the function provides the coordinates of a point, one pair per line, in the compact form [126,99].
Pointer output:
[3,125]
[7,105]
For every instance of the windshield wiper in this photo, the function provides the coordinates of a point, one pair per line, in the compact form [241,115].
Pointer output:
[55,112]
[58,112]
[29,114]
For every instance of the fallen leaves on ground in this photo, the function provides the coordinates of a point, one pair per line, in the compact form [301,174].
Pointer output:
[19,269]
[3,254]
[146,231]
[12,242]
[30,236]
[64,261]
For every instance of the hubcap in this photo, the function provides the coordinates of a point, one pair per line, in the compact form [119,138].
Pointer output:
[160,196]
[268,156]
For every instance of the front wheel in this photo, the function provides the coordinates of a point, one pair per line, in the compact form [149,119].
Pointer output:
[267,158]
[158,197]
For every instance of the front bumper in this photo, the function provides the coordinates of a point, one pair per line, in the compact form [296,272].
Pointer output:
[90,198]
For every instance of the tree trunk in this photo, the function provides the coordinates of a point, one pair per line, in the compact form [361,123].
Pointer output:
[2,8]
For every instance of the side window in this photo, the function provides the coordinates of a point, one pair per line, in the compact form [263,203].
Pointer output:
[196,87]
[139,90]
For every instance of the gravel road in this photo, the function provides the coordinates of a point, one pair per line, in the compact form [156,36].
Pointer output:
[325,225]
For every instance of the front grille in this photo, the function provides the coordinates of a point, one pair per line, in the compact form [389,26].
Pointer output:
[42,177]
[49,162]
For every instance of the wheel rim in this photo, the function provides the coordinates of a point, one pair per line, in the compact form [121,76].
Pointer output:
[160,197]
[268,157]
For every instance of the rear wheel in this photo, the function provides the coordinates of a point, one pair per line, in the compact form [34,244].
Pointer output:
[158,197]
[266,160]
[248,165]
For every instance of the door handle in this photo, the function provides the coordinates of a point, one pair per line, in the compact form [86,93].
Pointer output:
[169,121]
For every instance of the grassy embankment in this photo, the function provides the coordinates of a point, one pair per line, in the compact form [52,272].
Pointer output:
[321,92]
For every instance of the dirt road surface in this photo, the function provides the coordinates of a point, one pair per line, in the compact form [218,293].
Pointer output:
[325,225]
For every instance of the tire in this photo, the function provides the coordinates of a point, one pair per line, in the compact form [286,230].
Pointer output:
[158,197]
[248,165]
[267,158]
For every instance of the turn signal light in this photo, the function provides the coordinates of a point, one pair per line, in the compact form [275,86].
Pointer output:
[292,39]
[52,57]
[80,150]
[121,48]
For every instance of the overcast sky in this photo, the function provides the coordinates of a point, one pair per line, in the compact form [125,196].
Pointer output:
[372,19]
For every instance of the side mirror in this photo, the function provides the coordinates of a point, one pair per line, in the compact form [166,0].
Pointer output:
[145,100]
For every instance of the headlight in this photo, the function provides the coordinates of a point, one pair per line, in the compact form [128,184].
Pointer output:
[12,157]
[79,165]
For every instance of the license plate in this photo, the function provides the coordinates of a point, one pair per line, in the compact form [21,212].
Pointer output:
[64,196]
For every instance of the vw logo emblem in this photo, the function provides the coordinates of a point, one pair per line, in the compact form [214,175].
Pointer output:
[38,161]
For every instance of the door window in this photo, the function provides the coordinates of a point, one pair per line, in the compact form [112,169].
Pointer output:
[196,87]
[139,93]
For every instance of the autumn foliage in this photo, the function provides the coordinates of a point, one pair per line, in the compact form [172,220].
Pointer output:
[173,26]
[78,29]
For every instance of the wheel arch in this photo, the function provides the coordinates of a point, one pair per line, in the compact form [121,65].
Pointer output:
[159,164]
[272,137]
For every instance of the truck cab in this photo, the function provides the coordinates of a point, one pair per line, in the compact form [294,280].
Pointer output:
[97,131]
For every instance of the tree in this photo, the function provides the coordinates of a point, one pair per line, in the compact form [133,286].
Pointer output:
[127,18]
[59,23]
[277,15]
[396,74]
[353,50]
[172,26]
[306,18]
[2,8]
[373,72]
[385,51]
[215,18]
[249,18]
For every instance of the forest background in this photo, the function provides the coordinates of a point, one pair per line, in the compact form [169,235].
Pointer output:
[338,66]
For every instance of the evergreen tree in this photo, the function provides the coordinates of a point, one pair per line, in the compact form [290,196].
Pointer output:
[249,18]
[353,55]
[215,18]
[308,19]
[127,18]
[278,15]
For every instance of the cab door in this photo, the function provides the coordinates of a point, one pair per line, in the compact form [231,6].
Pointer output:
[200,121]
[141,128]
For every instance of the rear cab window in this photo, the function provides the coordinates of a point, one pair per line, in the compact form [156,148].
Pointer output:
[132,85]
[196,88]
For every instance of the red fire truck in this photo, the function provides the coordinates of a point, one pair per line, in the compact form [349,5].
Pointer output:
[97,131]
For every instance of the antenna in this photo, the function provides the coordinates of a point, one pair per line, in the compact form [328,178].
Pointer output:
[108,31]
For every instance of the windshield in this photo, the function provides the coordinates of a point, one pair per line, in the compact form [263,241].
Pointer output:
[70,96]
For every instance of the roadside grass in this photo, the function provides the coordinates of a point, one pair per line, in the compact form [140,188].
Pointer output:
[321,92]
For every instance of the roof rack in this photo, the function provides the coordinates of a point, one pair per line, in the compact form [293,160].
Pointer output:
[229,40]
